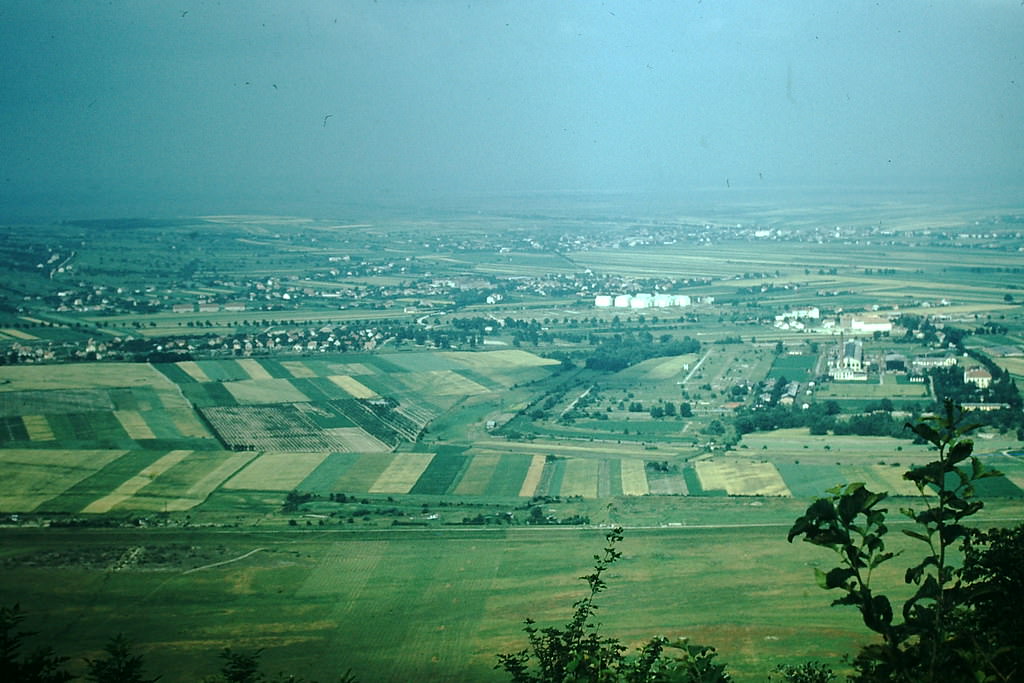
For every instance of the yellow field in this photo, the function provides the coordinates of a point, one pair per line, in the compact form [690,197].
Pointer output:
[194,371]
[742,478]
[38,428]
[169,397]
[402,473]
[498,360]
[132,486]
[447,383]
[276,471]
[259,391]
[82,376]
[634,478]
[253,368]
[187,424]
[529,487]
[580,478]
[351,369]
[478,475]
[17,334]
[297,368]
[134,425]
[358,441]
[31,477]
[353,386]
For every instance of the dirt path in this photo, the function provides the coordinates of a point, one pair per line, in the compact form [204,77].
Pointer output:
[218,564]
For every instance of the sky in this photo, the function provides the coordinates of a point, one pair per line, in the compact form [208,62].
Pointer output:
[148,107]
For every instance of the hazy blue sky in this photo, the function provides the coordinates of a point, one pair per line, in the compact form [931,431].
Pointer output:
[162,108]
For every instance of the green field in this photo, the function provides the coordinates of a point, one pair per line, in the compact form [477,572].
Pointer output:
[321,602]
[425,461]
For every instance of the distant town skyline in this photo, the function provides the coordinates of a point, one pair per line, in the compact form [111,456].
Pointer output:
[158,108]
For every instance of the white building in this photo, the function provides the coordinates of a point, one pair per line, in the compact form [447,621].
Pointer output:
[866,323]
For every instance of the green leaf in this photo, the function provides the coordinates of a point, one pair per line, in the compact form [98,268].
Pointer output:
[961,451]
[838,578]
[916,534]
[925,432]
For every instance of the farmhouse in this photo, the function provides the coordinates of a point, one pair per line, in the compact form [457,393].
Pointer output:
[790,394]
[980,377]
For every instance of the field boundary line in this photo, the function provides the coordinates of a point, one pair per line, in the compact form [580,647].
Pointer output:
[218,564]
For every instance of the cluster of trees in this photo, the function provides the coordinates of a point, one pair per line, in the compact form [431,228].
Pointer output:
[621,351]
[822,418]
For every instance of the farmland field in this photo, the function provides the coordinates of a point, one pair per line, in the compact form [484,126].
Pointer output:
[453,599]
[393,465]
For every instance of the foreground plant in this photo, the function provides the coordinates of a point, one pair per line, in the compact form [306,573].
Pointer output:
[578,652]
[926,645]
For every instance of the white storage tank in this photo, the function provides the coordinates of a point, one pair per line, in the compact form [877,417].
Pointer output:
[622,301]
[603,301]
[641,301]
[682,300]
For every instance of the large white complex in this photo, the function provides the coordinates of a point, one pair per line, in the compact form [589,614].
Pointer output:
[865,323]
[643,300]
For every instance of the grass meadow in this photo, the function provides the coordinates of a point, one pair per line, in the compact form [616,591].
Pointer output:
[419,605]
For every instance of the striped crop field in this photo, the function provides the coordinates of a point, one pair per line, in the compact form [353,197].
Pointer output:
[260,391]
[402,474]
[441,475]
[532,478]
[324,478]
[634,478]
[581,478]
[479,473]
[740,478]
[38,428]
[441,383]
[298,369]
[130,487]
[17,334]
[81,376]
[188,482]
[193,370]
[355,440]
[276,471]
[352,386]
[364,473]
[32,477]
[253,369]
[134,424]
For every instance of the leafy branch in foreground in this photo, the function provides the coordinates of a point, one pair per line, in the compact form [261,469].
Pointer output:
[578,652]
[42,665]
[926,645]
